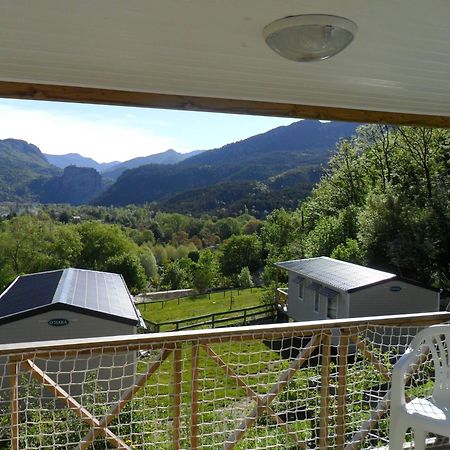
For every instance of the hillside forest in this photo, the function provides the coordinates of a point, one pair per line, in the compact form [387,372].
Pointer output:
[382,201]
[268,171]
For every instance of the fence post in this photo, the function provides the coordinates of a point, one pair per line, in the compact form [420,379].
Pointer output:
[176,424]
[194,401]
[213,319]
[245,317]
[14,399]
[342,388]
[324,391]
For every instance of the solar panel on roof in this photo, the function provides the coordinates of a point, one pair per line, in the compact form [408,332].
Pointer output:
[99,292]
[29,292]
[339,274]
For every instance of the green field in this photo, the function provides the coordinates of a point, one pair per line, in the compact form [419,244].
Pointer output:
[187,307]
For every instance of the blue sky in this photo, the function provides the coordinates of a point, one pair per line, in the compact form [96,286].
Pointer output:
[110,133]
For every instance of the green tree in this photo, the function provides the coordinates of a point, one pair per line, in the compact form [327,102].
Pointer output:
[350,251]
[177,274]
[206,271]
[281,237]
[245,278]
[227,227]
[241,251]
[101,242]
[380,146]
[148,262]
[331,231]
[130,268]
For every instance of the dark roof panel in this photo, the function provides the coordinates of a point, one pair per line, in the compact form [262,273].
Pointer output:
[29,292]
[338,274]
[102,293]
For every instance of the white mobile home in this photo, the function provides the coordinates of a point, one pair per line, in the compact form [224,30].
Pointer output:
[72,303]
[326,288]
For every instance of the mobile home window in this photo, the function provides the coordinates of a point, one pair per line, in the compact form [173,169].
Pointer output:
[301,289]
[332,301]
[316,301]
[332,307]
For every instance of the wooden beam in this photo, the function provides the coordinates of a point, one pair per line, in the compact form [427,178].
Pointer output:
[176,407]
[64,347]
[342,388]
[128,396]
[78,94]
[283,380]
[260,400]
[381,368]
[73,404]
[195,395]
[325,390]
[14,401]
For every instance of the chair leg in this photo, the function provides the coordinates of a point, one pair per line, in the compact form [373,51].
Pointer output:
[396,437]
[419,439]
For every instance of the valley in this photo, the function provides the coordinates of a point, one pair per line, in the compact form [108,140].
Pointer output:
[270,170]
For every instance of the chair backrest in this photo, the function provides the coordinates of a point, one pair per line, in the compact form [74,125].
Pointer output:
[436,341]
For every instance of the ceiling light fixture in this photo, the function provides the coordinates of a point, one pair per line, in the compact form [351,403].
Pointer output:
[309,37]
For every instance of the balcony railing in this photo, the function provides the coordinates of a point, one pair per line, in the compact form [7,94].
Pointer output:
[302,385]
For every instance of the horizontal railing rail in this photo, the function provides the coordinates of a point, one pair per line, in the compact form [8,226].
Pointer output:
[321,384]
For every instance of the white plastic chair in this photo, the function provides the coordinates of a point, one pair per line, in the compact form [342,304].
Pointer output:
[422,415]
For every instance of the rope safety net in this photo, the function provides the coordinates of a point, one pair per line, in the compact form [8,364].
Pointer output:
[304,388]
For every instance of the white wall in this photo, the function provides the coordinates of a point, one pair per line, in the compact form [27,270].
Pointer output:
[303,309]
[36,328]
[379,300]
[114,372]
[372,301]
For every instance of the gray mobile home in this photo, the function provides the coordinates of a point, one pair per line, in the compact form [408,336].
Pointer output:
[326,288]
[72,303]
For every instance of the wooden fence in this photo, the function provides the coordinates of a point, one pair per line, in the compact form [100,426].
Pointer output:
[234,317]
[231,293]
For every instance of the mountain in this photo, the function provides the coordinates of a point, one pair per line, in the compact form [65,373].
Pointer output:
[256,197]
[168,157]
[310,138]
[77,185]
[20,164]
[305,143]
[75,159]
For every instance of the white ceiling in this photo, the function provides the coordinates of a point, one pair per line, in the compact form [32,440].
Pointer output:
[399,60]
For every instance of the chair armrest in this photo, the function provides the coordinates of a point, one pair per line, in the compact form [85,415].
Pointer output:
[403,366]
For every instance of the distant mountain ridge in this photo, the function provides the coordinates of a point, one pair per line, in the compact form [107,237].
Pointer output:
[115,168]
[258,158]
[310,137]
[75,159]
[20,164]
[270,170]
[168,157]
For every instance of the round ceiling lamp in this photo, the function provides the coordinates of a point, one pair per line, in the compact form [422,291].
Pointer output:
[309,37]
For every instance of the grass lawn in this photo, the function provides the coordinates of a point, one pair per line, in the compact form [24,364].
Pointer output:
[200,305]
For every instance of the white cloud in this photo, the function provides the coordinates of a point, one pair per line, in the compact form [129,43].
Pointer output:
[92,136]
